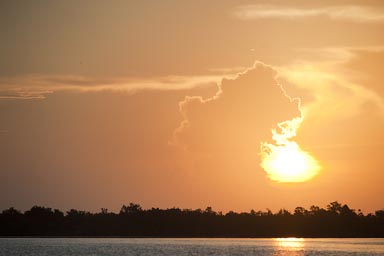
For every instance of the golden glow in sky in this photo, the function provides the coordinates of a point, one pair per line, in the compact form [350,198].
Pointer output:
[289,163]
[286,161]
[137,98]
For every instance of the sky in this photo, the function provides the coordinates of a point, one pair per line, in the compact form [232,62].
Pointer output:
[179,103]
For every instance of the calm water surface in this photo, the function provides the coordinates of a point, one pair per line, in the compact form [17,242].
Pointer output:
[181,247]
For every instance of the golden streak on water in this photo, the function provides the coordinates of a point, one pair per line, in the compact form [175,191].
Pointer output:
[290,243]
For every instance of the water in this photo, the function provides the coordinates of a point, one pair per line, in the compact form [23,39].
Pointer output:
[185,246]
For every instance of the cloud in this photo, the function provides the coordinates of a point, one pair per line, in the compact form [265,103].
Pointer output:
[365,68]
[238,117]
[341,87]
[351,13]
[20,93]
[334,95]
[344,118]
[344,109]
[39,86]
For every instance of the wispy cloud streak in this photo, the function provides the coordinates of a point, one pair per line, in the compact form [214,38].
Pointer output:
[351,13]
[38,87]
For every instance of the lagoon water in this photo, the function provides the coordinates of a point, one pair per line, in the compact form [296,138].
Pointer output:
[187,246]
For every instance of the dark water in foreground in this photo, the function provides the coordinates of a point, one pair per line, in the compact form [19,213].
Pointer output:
[186,246]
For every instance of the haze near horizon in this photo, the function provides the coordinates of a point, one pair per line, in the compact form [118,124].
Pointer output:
[232,104]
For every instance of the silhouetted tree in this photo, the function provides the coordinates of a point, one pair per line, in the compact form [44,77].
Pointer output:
[300,211]
[380,214]
[337,220]
[130,209]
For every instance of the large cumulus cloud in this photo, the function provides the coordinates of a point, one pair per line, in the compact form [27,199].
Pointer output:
[238,117]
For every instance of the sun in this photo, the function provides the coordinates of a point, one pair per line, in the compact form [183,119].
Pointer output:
[288,163]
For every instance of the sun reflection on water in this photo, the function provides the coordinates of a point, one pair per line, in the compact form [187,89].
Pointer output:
[291,245]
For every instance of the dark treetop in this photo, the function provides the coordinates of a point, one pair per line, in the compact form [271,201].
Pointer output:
[336,220]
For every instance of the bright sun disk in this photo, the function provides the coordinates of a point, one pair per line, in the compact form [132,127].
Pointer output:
[288,163]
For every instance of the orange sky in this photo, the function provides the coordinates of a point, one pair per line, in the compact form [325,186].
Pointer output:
[166,103]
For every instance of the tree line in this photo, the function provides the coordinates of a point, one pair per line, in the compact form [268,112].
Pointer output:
[336,220]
